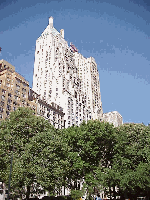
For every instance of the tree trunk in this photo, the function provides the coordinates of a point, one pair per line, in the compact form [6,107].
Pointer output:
[125,194]
[114,192]
[28,192]
[110,192]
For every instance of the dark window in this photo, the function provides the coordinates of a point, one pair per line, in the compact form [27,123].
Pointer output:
[9,100]
[9,94]
[2,103]
[14,103]
[3,91]
[8,107]
[7,112]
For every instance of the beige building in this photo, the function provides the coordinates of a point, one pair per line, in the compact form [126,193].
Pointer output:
[14,90]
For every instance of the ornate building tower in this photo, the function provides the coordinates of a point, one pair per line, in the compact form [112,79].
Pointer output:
[65,77]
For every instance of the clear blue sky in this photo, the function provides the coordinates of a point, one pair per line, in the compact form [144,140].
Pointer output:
[115,32]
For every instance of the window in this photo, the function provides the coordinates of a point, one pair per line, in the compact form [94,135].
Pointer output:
[18,81]
[23,95]
[8,79]
[2,103]
[8,107]
[23,90]
[16,97]
[7,112]
[9,101]
[3,91]
[24,84]
[1,109]
[23,102]
[15,103]
[17,92]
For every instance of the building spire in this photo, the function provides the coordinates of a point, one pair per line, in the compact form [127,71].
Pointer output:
[51,22]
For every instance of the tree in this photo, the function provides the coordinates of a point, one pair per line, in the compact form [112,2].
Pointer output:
[31,137]
[48,153]
[91,148]
[132,160]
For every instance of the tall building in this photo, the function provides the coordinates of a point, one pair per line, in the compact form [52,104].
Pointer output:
[64,76]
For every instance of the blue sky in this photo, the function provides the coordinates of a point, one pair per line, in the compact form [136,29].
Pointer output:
[115,32]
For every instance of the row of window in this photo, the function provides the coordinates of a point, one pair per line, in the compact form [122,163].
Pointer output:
[15,97]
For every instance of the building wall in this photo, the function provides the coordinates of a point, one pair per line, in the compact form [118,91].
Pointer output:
[13,92]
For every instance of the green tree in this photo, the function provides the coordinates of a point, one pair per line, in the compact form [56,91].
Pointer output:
[33,140]
[91,148]
[97,141]
[48,154]
[132,160]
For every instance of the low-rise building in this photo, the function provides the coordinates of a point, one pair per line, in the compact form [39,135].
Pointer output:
[51,112]
[113,117]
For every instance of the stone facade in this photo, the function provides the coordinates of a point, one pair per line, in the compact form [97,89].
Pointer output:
[113,118]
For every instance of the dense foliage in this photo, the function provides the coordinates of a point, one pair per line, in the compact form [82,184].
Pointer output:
[101,157]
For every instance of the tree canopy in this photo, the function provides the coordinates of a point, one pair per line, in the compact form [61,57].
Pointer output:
[95,155]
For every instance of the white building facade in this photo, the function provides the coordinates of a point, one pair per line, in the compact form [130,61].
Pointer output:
[65,77]
[113,117]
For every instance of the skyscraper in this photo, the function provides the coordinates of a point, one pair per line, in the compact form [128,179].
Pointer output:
[65,77]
